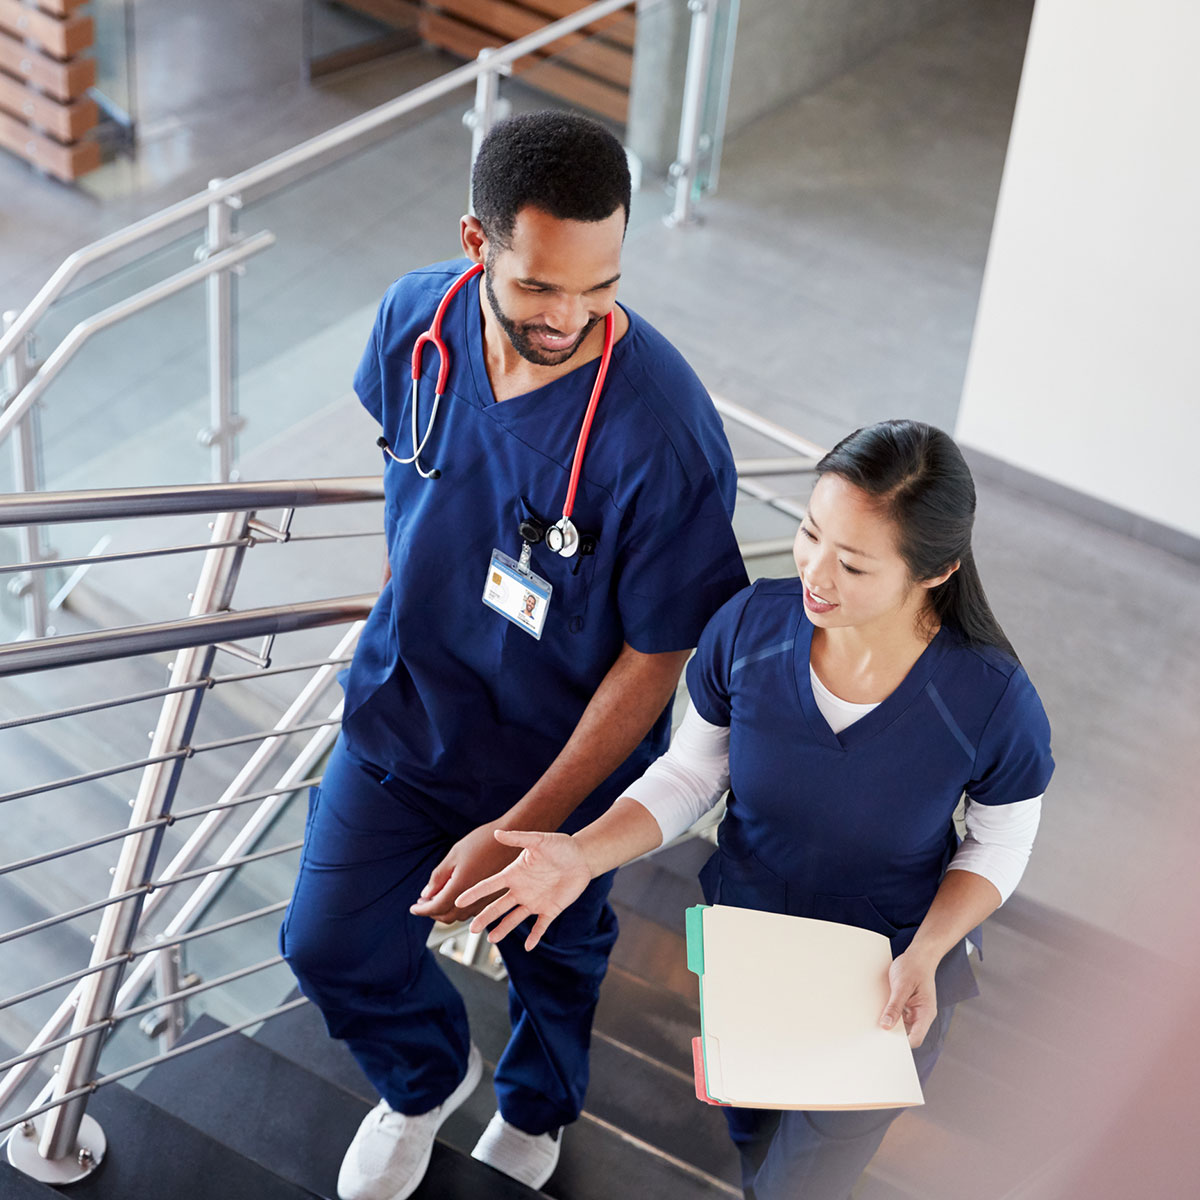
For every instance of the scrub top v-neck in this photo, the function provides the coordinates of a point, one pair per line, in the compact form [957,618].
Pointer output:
[451,696]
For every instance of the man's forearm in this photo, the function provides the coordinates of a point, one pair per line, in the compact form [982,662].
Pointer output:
[628,701]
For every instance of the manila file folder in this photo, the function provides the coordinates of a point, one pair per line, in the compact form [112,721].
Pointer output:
[789,1013]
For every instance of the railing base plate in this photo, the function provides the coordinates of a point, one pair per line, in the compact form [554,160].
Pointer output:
[23,1153]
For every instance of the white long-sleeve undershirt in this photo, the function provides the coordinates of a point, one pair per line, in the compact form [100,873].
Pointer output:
[687,781]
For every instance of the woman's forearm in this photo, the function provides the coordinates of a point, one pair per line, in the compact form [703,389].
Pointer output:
[625,832]
[963,901]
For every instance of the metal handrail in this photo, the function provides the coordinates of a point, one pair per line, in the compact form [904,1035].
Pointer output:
[96,1084]
[311,154]
[74,649]
[159,944]
[212,681]
[62,354]
[197,499]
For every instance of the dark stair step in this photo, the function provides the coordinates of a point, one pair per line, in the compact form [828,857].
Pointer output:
[653,1101]
[153,1155]
[15,1185]
[629,1103]
[662,886]
[291,1121]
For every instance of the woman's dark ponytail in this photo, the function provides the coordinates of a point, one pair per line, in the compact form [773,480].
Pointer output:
[924,485]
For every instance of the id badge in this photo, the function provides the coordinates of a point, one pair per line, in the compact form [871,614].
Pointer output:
[523,598]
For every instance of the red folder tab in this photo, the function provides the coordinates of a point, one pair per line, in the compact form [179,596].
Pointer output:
[698,1071]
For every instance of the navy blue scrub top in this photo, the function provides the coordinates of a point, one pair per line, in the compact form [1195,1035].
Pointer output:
[445,693]
[855,827]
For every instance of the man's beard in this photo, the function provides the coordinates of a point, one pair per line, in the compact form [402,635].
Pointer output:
[518,334]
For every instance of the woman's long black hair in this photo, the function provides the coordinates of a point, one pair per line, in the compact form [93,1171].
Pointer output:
[922,483]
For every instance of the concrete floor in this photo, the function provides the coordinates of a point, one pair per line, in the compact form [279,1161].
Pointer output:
[833,282]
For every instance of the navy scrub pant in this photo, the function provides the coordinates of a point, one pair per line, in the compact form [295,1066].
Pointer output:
[798,1155]
[360,956]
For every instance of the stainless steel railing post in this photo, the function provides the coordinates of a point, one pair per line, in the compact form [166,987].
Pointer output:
[29,586]
[224,422]
[488,109]
[118,926]
[686,165]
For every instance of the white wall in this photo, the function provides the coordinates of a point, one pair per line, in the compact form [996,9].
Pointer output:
[1085,363]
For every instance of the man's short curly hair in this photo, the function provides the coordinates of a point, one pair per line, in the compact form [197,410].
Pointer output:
[565,164]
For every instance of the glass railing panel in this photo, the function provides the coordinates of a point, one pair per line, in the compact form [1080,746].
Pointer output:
[346,33]
[306,306]
[107,282]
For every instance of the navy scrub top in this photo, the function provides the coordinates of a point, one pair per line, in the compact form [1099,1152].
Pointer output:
[856,827]
[445,693]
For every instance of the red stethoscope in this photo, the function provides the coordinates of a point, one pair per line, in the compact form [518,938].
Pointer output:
[562,537]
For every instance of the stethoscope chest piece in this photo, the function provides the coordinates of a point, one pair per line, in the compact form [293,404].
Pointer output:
[563,538]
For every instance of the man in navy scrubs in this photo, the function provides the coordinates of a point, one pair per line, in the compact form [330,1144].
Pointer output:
[465,712]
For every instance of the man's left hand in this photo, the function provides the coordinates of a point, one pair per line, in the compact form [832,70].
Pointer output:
[470,859]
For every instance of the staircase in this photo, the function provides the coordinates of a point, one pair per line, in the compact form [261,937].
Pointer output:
[269,1116]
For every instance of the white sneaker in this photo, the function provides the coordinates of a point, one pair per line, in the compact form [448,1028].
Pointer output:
[525,1156]
[390,1152]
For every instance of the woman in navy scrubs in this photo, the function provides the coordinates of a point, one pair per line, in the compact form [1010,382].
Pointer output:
[847,711]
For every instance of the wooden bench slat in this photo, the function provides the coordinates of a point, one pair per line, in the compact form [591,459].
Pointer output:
[63,37]
[467,40]
[63,80]
[66,122]
[64,162]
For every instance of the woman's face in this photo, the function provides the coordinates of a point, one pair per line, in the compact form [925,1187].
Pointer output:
[849,563]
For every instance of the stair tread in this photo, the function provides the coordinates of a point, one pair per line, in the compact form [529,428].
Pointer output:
[652,1099]
[227,1094]
[15,1185]
[153,1154]
[593,1152]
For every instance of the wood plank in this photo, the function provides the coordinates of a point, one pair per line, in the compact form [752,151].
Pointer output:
[63,162]
[618,27]
[512,21]
[66,122]
[610,63]
[589,93]
[60,8]
[62,80]
[397,13]
[465,40]
[63,37]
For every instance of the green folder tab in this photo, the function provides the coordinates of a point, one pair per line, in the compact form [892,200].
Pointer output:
[694,928]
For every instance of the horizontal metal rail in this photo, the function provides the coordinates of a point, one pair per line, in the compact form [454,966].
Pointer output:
[110,504]
[261,735]
[28,396]
[146,1064]
[42,988]
[155,638]
[138,1009]
[97,560]
[146,889]
[767,547]
[158,693]
[160,944]
[170,819]
[312,154]
[768,428]
[746,468]
[221,805]
[92,776]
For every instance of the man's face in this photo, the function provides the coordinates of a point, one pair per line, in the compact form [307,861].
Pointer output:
[554,283]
